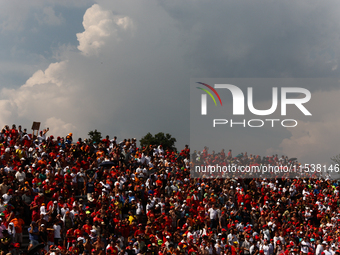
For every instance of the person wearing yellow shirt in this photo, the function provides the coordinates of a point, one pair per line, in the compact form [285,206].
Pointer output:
[131,217]
[20,152]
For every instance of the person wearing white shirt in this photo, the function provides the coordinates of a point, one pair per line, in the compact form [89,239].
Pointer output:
[231,238]
[20,175]
[160,149]
[64,210]
[213,217]
[139,209]
[57,232]
[333,250]
[138,170]
[149,205]
[8,168]
[266,233]
[43,212]
[147,159]
[265,247]
[319,248]
[252,247]
[218,246]
[305,245]
[7,196]
[327,250]
[246,246]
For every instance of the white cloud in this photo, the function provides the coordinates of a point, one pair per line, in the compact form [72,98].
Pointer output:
[58,127]
[45,97]
[127,84]
[65,96]
[51,75]
[98,25]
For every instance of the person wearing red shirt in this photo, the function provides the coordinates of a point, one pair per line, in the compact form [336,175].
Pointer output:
[247,198]
[61,246]
[26,142]
[78,232]
[68,178]
[58,176]
[64,191]
[112,249]
[70,236]
[87,227]
[139,231]
[125,229]
[97,218]
[116,219]
[47,188]
[35,208]
[74,250]
[36,179]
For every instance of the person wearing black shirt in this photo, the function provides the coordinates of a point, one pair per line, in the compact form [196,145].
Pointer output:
[43,234]
[5,241]
[80,245]
[129,249]
[89,188]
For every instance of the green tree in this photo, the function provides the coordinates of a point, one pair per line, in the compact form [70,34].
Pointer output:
[95,136]
[166,141]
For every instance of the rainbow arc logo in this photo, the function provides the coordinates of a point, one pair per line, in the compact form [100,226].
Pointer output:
[204,97]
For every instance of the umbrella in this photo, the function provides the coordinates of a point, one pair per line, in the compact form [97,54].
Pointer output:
[292,159]
[239,155]
[35,248]
[107,164]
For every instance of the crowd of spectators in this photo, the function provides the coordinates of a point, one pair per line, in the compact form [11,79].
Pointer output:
[113,197]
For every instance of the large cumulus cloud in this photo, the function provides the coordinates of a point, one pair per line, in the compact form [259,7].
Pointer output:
[129,69]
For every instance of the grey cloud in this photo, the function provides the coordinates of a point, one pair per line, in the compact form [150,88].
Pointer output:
[138,80]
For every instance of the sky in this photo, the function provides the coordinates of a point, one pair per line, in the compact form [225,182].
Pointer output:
[124,67]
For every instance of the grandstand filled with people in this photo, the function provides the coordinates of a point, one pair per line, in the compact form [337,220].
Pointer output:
[76,196]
